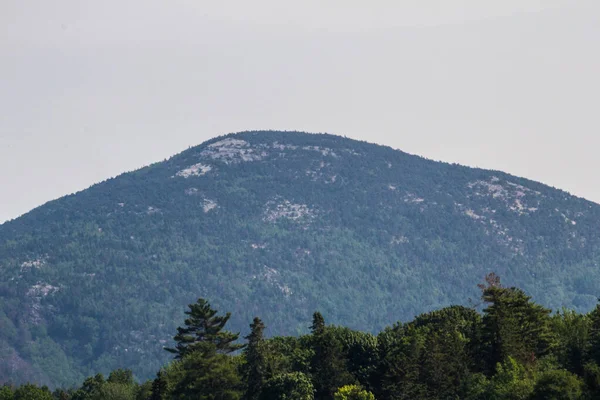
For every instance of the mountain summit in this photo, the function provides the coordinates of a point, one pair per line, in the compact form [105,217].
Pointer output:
[274,224]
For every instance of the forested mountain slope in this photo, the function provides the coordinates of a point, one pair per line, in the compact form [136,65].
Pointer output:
[275,224]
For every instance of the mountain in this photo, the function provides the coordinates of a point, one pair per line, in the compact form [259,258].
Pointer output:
[275,224]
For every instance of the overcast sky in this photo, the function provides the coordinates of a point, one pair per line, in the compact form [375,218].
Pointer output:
[90,89]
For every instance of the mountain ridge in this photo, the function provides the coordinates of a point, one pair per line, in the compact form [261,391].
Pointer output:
[275,224]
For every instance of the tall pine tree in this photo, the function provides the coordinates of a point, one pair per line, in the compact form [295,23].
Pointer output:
[204,327]
[329,366]
[513,326]
[255,369]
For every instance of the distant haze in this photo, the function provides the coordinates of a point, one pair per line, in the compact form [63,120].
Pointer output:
[90,89]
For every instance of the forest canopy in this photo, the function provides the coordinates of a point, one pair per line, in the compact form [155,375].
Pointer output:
[274,224]
[512,348]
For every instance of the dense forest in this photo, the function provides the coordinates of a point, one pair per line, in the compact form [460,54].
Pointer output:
[504,347]
[275,224]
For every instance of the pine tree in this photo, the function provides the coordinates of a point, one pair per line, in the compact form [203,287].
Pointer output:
[318,324]
[204,327]
[159,386]
[513,326]
[592,368]
[208,375]
[255,369]
[594,338]
[329,367]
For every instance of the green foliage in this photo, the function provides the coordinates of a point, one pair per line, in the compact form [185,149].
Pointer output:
[329,367]
[144,391]
[398,375]
[116,391]
[363,233]
[353,392]
[512,381]
[558,385]
[288,386]
[204,328]
[572,331]
[591,375]
[120,385]
[361,352]
[160,387]
[431,357]
[90,389]
[6,393]
[286,354]
[122,377]
[255,370]
[438,355]
[205,369]
[514,326]
[208,375]
[32,392]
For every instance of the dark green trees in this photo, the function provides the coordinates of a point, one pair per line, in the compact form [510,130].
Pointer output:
[32,392]
[90,389]
[6,393]
[120,385]
[442,355]
[572,331]
[558,385]
[288,386]
[591,368]
[208,375]
[328,367]
[513,326]
[159,386]
[255,370]
[204,369]
[431,357]
[204,330]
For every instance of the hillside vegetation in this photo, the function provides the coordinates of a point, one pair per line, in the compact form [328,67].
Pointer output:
[276,224]
[513,350]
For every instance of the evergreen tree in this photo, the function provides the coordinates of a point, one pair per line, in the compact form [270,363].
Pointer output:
[329,367]
[513,326]
[361,353]
[255,369]
[59,394]
[202,326]
[159,386]
[208,375]
[121,376]
[144,391]
[6,393]
[90,388]
[398,375]
[318,324]
[573,334]
[444,365]
[594,335]
[591,376]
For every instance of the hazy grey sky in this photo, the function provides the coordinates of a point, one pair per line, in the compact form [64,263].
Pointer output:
[90,89]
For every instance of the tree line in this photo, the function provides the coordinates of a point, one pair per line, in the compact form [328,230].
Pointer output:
[512,349]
